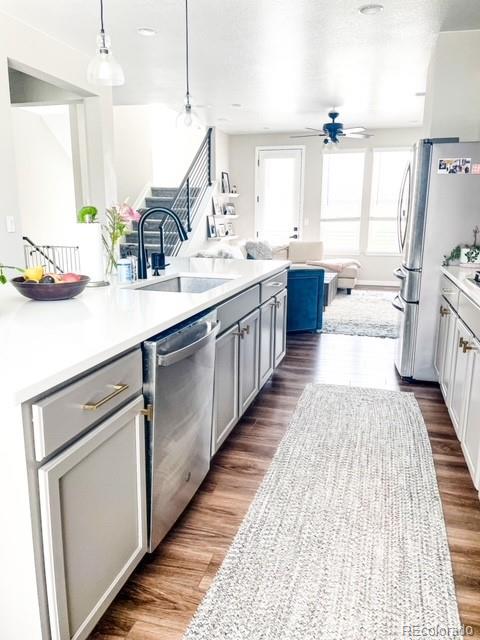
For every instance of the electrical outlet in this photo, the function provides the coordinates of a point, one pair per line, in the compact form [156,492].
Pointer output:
[10,223]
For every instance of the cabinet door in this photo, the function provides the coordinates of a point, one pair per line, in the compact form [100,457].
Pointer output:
[267,340]
[93,509]
[441,336]
[458,381]
[471,438]
[249,359]
[450,344]
[280,326]
[226,386]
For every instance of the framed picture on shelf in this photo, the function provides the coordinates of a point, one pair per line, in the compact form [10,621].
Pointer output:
[225,182]
[230,229]
[221,230]
[229,209]
[217,209]
[211,227]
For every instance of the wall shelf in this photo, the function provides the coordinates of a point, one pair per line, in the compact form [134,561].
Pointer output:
[234,237]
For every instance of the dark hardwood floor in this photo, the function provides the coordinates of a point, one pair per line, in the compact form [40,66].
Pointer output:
[163,593]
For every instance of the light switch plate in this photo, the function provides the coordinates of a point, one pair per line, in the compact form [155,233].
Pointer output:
[10,222]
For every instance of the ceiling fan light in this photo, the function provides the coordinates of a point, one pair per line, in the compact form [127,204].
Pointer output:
[371,9]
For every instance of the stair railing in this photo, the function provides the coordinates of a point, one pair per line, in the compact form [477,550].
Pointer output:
[197,180]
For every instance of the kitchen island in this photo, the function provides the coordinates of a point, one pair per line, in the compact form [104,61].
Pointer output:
[46,345]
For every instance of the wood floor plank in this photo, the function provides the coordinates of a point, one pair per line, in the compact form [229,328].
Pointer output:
[165,590]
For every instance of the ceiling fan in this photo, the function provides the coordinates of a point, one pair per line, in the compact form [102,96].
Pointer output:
[333,131]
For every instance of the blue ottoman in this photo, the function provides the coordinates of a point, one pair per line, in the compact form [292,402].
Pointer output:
[305,299]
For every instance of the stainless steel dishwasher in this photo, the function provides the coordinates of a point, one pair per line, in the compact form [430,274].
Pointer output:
[178,383]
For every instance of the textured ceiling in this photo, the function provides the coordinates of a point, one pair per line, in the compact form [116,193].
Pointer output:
[286,62]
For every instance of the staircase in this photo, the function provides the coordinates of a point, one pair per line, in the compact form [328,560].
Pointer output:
[184,200]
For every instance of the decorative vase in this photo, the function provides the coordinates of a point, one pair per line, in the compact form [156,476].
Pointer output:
[470,255]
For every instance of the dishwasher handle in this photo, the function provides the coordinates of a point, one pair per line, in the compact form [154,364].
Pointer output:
[167,359]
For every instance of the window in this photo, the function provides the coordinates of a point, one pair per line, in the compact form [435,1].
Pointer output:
[342,186]
[388,169]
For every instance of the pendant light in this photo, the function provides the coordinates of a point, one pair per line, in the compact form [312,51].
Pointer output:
[187,116]
[103,68]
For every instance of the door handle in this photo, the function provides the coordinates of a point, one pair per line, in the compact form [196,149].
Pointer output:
[295,236]
[118,389]
[397,306]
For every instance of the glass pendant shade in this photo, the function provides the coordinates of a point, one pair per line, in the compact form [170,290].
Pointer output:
[103,68]
[188,118]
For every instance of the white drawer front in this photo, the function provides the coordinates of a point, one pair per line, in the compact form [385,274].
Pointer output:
[470,314]
[449,291]
[63,415]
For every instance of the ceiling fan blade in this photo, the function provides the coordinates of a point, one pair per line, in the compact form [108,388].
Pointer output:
[308,135]
[354,130]
[312,129]
[359,136]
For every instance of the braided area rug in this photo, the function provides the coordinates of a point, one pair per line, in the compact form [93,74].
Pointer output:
[345,539]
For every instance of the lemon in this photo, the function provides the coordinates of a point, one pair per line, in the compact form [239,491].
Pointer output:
[33,273]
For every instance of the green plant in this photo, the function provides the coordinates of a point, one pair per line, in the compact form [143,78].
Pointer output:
[118,221]
[3,277]
[88,213]
[453,257]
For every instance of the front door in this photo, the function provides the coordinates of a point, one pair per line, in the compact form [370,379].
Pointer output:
[279,194]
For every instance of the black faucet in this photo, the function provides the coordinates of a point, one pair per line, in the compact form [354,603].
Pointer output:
[142,256]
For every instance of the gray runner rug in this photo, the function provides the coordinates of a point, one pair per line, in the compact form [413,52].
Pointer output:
[345,539]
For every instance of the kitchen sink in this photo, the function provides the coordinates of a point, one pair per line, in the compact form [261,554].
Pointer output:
[186,284]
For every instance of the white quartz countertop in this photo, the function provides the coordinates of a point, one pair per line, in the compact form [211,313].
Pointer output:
[43,344]
[462,277]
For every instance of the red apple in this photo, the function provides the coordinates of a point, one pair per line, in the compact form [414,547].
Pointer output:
[71,277]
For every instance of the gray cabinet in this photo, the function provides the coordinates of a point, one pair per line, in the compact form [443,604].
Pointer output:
[267,340]
[471,437]
[226,386]
[248,351]
[460,359]
[93,510]
[280,326]
[249,360]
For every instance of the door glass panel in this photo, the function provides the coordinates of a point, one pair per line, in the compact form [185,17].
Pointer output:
[279,193]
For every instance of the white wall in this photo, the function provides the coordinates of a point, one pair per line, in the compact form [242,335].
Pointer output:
[133,150]
[149,148]
[31,51]
[242,173]
[452,102]
[46,192]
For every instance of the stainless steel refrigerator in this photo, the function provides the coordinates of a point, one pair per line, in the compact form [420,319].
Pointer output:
[439,205]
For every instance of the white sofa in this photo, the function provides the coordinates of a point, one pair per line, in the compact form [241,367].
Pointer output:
[304,253]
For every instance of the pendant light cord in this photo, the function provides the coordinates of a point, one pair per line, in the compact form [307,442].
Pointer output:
[102,30]
[187,57]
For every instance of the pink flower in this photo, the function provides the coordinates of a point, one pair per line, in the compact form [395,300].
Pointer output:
[127,213]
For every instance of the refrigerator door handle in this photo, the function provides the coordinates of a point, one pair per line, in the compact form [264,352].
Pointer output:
[400,234]
[398,304]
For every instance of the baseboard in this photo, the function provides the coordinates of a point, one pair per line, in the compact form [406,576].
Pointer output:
[378,283]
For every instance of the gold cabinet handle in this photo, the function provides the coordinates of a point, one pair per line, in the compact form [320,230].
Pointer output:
[444,312]
[118,389]
[238,333]
[247,329]
[468,347]
[461,343]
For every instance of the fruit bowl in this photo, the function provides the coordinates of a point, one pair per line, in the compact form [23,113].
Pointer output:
[50,291]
